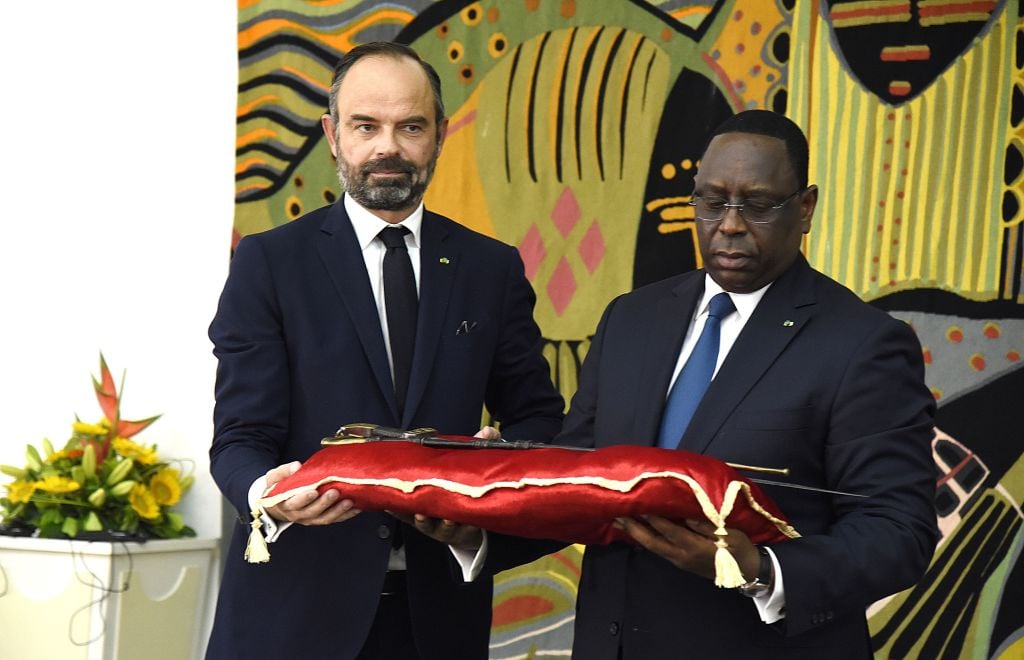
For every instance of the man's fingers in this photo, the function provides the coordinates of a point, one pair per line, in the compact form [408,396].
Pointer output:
[678,534]
[488,433]
[281,471]
[313,508]
[640,531]
[703,527]
[448,532]
[340,512]
[300,501]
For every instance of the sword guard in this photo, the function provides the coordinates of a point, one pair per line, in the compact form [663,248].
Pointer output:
[367,431]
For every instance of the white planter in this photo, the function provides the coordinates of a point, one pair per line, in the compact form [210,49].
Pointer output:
[81,600]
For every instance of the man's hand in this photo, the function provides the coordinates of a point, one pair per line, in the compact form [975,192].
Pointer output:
[488,433]
[691,547]
[462,537]
[308,507]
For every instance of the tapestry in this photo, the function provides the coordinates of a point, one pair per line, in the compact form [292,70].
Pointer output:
[576,127]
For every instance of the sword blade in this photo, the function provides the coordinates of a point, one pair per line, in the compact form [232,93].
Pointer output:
[813,489]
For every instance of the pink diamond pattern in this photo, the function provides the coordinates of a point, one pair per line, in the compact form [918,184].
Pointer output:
[592,247]
[566,213]
[562,286]
[532,250]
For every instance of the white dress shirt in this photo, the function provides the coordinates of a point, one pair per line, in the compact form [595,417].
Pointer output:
[771,606]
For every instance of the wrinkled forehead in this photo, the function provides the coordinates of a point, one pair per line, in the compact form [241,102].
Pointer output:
[746,161]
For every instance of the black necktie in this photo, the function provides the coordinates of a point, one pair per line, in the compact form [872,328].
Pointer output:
[695,377]
[401,303]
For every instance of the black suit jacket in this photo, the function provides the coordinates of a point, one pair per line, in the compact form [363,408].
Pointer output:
[301,352]
[819,382]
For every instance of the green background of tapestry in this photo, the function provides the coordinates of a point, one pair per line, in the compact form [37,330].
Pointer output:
[576,127]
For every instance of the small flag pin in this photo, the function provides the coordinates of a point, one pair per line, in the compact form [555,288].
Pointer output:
[787,324]
[444,260]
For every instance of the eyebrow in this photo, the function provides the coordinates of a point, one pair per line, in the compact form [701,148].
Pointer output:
[714,187]
[414,119]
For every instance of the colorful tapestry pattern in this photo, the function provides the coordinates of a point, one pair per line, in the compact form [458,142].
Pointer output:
[576,129]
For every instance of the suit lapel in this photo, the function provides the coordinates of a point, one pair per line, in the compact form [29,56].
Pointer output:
[668,329]
[343,260]
[783,312]
[438,264]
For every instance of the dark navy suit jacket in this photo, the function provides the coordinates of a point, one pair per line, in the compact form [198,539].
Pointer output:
[818,382]
[300,353]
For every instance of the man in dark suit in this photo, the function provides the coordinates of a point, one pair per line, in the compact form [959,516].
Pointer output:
[809,378]
[309,336]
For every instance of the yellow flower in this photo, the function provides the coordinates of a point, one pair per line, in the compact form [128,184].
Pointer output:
[58,484]
[130,449]
[165,487]
[143,502]
[85,428]
[57,455]
[21,491]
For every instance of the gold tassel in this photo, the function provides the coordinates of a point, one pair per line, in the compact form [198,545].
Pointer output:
[256,551]
[727,571]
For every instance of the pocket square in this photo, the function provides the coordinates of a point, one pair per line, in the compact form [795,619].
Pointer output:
[465,328]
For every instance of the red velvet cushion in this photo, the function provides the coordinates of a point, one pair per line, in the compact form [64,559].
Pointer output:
[552,493]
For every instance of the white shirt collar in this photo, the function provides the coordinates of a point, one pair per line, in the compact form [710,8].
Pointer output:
[745,302]
[367,225]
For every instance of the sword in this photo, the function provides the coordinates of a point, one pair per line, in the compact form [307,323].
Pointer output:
[427,437]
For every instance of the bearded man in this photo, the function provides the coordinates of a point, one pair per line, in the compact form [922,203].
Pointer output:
[369,310]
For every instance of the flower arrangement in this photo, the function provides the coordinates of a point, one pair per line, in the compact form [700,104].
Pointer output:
[101,484]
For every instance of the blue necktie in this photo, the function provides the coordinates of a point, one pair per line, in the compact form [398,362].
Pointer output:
[695,376]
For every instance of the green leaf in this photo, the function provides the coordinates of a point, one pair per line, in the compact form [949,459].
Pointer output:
[175,522]
[51,517]
[32,457]
[50,531]
[92,523]
[70,527]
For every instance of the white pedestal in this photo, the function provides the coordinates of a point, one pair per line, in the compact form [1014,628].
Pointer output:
[80,600]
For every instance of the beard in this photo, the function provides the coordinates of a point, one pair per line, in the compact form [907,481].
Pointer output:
[389,194]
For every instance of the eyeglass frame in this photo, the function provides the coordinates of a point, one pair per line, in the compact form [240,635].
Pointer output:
[739,209]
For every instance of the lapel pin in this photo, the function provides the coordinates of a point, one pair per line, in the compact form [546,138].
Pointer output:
[444,260]
[787,324]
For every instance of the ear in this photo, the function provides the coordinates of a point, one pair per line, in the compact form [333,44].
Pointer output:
[808,202]
[331,132]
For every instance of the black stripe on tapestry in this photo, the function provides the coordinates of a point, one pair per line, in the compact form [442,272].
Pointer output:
[508,103]
[531,157]
[624,114]
[584,71]
[560,114]
[647,78]
[602,91]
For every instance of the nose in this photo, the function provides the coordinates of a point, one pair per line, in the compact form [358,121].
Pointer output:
[386,143]
[732,222]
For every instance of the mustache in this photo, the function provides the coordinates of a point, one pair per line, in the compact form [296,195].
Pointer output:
[389,164]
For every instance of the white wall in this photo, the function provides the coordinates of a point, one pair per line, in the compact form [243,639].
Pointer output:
[115,218]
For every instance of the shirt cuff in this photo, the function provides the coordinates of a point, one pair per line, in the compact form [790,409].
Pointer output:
[772,605]
[471,562]
[272,529]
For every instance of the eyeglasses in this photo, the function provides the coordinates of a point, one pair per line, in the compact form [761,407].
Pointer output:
[757,210]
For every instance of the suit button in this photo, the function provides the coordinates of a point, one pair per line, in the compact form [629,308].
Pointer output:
[613,628]
[828,615]
[384,532]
